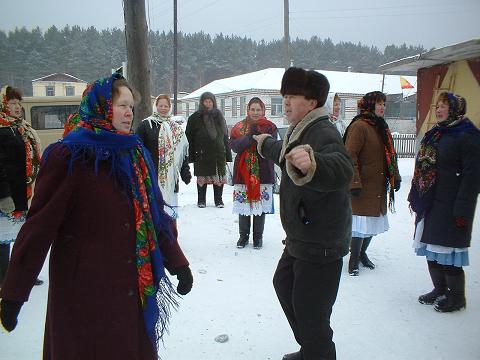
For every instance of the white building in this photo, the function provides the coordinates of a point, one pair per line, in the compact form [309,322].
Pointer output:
[233,93]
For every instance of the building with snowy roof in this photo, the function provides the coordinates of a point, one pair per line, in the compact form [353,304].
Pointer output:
[233,93]
[58,84]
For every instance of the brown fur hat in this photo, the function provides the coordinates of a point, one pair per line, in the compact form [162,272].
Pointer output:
[309,83]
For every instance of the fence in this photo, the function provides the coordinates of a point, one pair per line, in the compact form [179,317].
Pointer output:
[404,145]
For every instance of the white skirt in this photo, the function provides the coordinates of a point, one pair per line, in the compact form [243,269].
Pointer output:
[10,226]
[242,206]
[367,226]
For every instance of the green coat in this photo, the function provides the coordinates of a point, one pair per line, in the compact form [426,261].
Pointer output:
[208,156]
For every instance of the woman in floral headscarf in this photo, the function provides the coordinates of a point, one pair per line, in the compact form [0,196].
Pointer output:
[253,176]
[19,160]
[444,192]
[369,143]
[168,145]
[98,207]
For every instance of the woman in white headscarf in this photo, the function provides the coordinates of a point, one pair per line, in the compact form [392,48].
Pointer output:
[334,104]
[168,146]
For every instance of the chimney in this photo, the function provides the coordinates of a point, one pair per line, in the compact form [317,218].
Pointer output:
[349,69]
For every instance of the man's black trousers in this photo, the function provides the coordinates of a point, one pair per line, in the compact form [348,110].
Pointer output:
[307,292]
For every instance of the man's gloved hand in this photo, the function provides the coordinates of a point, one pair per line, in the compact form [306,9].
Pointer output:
[356,192]
[397,185]
[185,279]
[7,205]
[461,222]
[9,311]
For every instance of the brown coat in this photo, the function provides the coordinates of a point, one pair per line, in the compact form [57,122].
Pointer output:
[366,148]
[93,303]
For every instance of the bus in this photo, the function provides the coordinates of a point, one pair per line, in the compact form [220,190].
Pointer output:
[48,114]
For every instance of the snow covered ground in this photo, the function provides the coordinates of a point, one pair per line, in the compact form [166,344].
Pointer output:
[376,316]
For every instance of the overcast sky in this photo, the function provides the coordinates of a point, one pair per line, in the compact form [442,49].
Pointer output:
[431,23]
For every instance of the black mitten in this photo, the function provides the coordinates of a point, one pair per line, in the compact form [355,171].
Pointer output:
[185,173]
[9,311]
[397,185]
[185,280]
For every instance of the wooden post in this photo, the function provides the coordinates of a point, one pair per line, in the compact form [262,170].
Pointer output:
[286,34]
[175,61]
[137,55]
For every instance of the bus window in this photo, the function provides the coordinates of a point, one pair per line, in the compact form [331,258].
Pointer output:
[50,117]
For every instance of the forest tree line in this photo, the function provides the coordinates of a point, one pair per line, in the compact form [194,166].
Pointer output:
[90,53]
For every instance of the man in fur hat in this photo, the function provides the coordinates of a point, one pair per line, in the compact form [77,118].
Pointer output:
[315,211]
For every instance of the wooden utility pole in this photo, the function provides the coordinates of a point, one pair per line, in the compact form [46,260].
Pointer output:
[286,34]
[175,62]
[136,34]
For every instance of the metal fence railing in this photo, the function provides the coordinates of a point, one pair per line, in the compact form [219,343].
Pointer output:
[404,145]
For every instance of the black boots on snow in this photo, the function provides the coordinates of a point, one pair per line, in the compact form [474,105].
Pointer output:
[244,230]
[293,356]
[363,255]
[217,195]
[355,248]
[202,195]
[258,225]
[439,284]
[455,296]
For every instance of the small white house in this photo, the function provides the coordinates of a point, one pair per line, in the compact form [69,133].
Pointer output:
[58,84]
[233,93]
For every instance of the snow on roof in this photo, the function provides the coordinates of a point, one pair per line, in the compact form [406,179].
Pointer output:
[59,77]
[340,81]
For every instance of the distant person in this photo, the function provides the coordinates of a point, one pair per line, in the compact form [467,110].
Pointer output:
[209,152]
[369,143]
[253,176]
[98,209]
[444,192]
[314,209]
[334,105]
[168,146]
[19,163]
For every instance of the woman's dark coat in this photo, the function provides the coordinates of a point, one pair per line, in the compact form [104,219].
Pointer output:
[457,188]
[13,175]
[208,156]
[93,309]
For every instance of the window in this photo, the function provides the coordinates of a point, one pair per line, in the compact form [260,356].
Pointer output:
[222,105]
[50,90]
[277,106]
[69,91]
[196,106]
[51,116]
[234,107]
[187,109]
[243,102]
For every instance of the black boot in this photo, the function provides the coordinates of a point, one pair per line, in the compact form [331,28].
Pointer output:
[244,230]
[258,225]
[202,195]
[455,299]
[293,356]
[439,284]
[217,195]
[355,247]
[363,255]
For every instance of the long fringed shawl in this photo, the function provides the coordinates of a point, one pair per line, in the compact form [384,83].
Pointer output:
[95,139]
[29,137]
[366,106]
[172,150]
[248,163]
[424,179]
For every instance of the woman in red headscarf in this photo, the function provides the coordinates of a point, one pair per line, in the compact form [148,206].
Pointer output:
[253,176]
[19,162]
